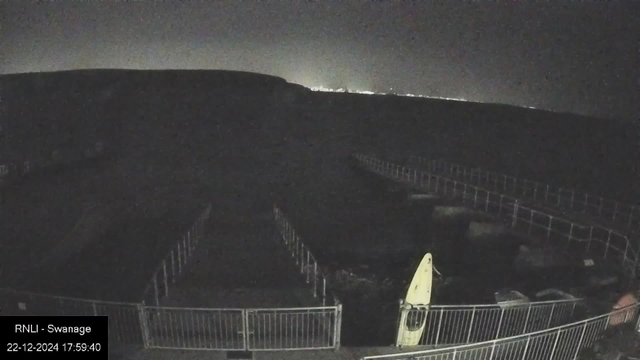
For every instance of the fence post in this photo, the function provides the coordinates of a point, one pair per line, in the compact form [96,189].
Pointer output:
[608,241]
[615,210]
[324,291]
[530,221]
[144,328]
[500,208]
[500,323]
[584,329]
[166,283]
[526,321]
[439,326]
[155,288]
[475,198]
[555,345]
[95,308]
[549,228]
[402,319]
[179,259]
[307,266]
[493,349]
[590,237]
[573,194]
[173,269]
[184,249]
[245,329]
[571,233]
[526,348]
[473,315]
[337,332]
[553,307]
[315,279]
[546,194]
[190,247]
[514,220]
[559,196]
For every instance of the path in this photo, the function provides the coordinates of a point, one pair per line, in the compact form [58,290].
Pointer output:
[241,266]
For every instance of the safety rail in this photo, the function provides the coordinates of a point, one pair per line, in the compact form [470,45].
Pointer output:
[302,328]
[305,328]
[559,343]
[124,318]
[524,220]
[463,324]
[627,237]
[626,217]
[309,267]
[174,262]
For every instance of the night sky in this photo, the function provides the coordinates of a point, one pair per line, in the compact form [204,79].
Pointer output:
[575,56]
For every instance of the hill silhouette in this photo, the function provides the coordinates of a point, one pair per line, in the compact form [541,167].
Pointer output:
[257,120]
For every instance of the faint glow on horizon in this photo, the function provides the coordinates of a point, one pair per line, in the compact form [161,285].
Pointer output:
[366,92]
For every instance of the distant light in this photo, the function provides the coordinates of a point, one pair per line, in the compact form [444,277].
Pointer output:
[367,92]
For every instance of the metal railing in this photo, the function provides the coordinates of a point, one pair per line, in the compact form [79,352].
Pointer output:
[192,328]
[303,257]
[174,262]
[559,343]
[243,329]
[627,238]
[124,318]
[527,221]
[463,324]
[626,217]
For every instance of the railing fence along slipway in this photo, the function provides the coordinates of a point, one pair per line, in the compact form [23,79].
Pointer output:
[558,343]
[622,216]
[561,342]
[150,325]
[464,324]
[621,219]
[555,230]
